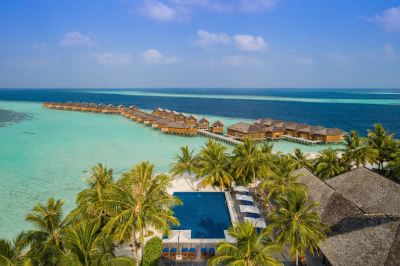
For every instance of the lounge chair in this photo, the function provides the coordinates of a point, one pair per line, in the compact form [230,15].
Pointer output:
[165,252]
[211,252]
[204,253]
[192,253]
[185,252]
[252,215]
[172,253]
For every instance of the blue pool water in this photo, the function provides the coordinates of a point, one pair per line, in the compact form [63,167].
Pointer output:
[205,213]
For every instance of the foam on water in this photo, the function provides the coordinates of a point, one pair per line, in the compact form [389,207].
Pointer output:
[49,154]
[252,97]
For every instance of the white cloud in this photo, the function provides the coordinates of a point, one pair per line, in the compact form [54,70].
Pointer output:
[75,39]
[214,5]
[206,38]
[39,46]
[113,59]
[153,56]
[389,19]
[163,12]
[257,5]
[303,61]
[249,42]
[240,60]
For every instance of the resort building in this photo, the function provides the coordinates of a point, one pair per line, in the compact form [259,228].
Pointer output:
[329,135]
[178,128]
[274,132]
[191,120]
[217,127]
[179,117]
[363,212]
[246,130]
[203,123]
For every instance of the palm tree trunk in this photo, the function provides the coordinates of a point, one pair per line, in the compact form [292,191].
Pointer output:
[297,258]
[134,250]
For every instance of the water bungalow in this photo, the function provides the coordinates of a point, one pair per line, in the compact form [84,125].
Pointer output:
[179,117]
[191,120]
[217,127]
[363,212]
[274,132]
[328,135]
[246,130]
[203,123]
[178,128]
[160,122]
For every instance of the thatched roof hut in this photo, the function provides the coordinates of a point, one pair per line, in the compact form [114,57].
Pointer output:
[218,123]
[246,130]
[363,212]
[265,121]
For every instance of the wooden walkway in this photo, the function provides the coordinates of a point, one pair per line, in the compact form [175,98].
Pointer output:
[218,137]
[301,140]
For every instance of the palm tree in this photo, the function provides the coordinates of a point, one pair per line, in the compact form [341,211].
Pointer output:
[248,162]
[45,239]
[91,201]
[140,201]
[393,167]
[86,247]
[282,178]
[12,252]
[186,162]
[358,151]
[214,165]
[250,249]
[328,164]
[383,143]
[300,159]
[296,224]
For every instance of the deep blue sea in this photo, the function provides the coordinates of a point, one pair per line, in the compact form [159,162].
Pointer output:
[349,109]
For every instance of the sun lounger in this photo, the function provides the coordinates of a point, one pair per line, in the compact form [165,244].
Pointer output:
[172,253]
[165,252]
[204,253]
[211,252]
[192,253]
[253,215]
[185,252]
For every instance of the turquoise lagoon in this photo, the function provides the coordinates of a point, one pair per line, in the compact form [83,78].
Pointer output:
[50,153]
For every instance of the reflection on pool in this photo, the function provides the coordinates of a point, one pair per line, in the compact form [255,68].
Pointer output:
[205,213]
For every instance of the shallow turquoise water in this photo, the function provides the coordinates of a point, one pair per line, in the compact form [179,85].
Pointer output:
[48,155]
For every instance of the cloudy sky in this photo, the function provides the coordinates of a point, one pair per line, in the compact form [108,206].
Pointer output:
[199,43]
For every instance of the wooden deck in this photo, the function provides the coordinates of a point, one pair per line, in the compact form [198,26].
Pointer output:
[222,138]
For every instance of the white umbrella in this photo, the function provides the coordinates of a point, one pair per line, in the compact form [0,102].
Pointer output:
[257,222]
[244,197]
[249,209]
[241,189]
[179,237]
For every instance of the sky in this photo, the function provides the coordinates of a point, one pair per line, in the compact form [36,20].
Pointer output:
[199,43]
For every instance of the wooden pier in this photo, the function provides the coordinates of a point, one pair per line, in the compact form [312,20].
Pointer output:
[301,140]
[225,139]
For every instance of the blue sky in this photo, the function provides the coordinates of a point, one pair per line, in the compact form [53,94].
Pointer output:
[199,43]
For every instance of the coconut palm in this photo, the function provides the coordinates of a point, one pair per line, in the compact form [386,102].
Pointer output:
[91,201]
[138,202]
[296,224]
[328,164]
[86,247]
[300,159]
[45,239]
[214,165]
[393,167]
[186,162]
[248,162]
[282,177]
[358,151]
[383,143]
[250,249]
[12,252]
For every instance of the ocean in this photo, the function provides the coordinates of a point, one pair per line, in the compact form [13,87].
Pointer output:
[47,153]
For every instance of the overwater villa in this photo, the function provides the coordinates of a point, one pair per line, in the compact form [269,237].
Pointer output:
[363,212]
[217,127]
[178,128]
[243,130]
[203,123]
[191,120]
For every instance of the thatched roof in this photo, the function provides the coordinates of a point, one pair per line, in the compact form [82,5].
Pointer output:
[177,125]
[330,132]
[274,129]
[301,127]
[290,125]
[204,120]
[193,117]
[218,123]
[265,121]
[360,208]
[369,191]
[247,128]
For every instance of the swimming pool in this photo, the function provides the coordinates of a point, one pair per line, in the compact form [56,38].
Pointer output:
[205,213]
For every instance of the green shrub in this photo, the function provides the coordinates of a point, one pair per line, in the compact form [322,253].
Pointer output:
[152,252]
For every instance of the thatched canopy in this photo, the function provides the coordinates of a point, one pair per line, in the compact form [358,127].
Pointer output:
[204,121]
[362,210]
[247,128]
[265,121]
[274,129]
[192,117]
[330,132]
[218,123]
[177,125]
